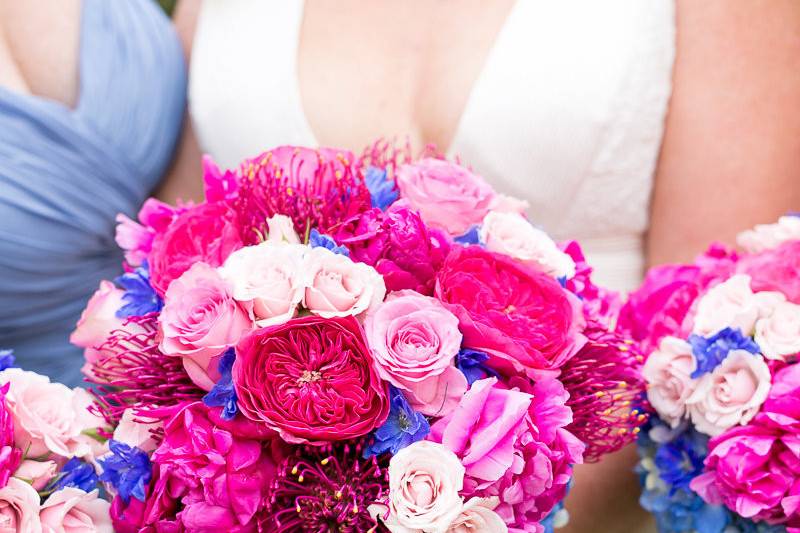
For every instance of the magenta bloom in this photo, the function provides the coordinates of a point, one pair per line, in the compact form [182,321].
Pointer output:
[775,270]
[315,188]
[398,244]
[521,317]
[10,455]
[136,238]
[513,445]
[755,469]
[311,379]
[599,305]
[216,472]
[206,233]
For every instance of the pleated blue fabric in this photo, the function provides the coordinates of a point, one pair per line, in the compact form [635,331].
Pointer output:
[65,173]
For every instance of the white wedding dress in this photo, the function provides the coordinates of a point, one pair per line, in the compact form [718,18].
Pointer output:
[568,112]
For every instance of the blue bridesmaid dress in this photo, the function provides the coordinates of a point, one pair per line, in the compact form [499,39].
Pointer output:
[65,174]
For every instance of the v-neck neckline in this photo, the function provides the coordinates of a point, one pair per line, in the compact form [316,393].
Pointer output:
[308,130]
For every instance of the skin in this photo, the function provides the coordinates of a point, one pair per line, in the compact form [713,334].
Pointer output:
[730,156]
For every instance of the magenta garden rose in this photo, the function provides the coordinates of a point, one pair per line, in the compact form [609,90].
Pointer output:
[518,315]
[310,379]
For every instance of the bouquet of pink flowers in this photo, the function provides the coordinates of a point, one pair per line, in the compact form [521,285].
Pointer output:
[49,450]
[340,344]
[722,451]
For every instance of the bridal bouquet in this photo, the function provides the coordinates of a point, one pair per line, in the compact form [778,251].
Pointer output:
[722,452]
[49,450]
[339,344]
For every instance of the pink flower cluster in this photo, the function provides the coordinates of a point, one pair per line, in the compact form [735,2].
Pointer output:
[313,316]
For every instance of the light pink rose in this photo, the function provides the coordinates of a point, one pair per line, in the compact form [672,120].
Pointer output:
[731,394]
[447,196]
[478,516]
[281,229]
[414,340]
[425,479]
[336,286]
[768,236]
[267,277]
[668,373]
[732,304]
[509,204]
[512,235]
[98,320]
[19,508]
[72,510]
[134,431]
[48,417]
[37,473]
[778,335]
[200,320]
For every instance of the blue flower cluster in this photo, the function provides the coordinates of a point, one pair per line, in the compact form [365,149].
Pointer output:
[403,427]
[382,191]
[223,394]
[127,469]
[470,363]
[76,473]
[318,240]
[140,298]
[711,351]
[7,359]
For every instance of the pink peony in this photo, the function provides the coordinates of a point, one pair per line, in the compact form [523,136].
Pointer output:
[447,195]
[9,454]
[311,379]
[769,236]
[521,317]
[72,510]
[205,233]
[414,340]
[19,508]
[513,446]
[398,245]
[48,417]
[218,186]
[668,372]
[200,320]
[600,305]
[98,320]
[218,471]
[136,238]
[776,270]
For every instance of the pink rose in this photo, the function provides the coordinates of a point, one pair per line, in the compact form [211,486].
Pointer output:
[336,286]
[425,479]
[281,229]
[48,417]
[731,394]
[19,508]
[668,372]
[511,234]
[478,516]
[448,196]
[733,304]
[769,236]
[206,233]
[200,320]
[267,277]
[98,320]
[134,431]
[414,340]
[72,510]
[37,473]
[521,317]
[776,270]
[778,335]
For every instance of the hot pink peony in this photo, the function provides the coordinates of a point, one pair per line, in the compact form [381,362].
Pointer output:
[200,320]
[753,469]
[398,245]
[9,454]
[513,446]
[205,233]
[447,195]
[521,317]
[311,379]
[776,270]
[217,472]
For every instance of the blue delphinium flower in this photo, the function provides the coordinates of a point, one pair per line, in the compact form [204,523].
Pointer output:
[403,427]
[711,351]
[472,236]
[140,298]
[470,363]
[681,460]
[318,240]
[223,394]
[383,192]
[7,359]
[127,469]
[76,473]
